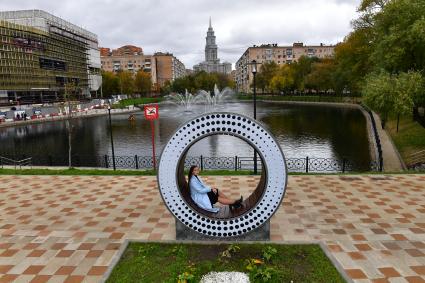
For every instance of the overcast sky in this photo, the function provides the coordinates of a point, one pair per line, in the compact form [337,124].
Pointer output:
[180,26]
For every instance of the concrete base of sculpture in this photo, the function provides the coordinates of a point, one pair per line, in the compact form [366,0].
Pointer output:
[262,233]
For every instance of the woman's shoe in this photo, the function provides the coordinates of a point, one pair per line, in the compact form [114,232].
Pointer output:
[234,206]
[237,204]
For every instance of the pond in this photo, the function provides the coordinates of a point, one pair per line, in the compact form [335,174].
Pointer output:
[302,130]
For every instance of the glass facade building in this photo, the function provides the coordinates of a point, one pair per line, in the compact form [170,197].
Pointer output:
[40,54]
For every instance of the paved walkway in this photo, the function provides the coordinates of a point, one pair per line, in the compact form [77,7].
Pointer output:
[68,228]
[392,162]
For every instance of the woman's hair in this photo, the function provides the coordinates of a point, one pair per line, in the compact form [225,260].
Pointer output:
[191,172]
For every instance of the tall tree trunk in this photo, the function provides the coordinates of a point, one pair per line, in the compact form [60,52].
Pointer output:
[398,121]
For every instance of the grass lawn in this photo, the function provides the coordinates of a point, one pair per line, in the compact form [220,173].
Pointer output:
[159,262]
[135,101]
[410,137]
[335,98]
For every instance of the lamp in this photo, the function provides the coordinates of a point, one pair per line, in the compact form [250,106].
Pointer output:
[112,139]
[254,72]
[254,67]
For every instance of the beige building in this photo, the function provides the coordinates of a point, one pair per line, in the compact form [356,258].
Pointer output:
[274,53]
[126,58]
[162,66]
[166,68]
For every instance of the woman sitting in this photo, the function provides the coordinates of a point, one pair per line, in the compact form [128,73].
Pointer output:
[205,197]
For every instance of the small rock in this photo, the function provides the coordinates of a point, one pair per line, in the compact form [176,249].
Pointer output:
[225,277]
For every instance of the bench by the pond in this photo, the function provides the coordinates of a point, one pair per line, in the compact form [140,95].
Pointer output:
[257,207]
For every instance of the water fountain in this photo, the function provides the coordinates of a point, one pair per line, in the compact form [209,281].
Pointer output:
[217,97]
[210,100]
[185,101]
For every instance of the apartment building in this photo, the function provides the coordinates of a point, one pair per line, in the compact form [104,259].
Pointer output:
[167,68]
[162,66]
[274,53]
[126,58]
[40,53]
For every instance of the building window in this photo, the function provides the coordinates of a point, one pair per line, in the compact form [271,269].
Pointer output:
[50,64]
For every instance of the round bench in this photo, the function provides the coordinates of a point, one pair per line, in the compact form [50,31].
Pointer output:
[257,208]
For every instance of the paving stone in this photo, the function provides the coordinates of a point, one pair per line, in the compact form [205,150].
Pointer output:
[74,225]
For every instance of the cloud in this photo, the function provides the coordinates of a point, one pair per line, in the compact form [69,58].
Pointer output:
[180,27]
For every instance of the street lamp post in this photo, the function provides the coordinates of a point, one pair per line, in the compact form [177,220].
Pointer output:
[112,140]
[254,72]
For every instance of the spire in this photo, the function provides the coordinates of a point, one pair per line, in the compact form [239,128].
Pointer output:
[210,22]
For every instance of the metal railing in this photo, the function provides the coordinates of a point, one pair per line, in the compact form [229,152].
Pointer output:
[236,163]
[4,161]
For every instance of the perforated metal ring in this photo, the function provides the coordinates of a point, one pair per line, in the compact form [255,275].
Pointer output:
[170,174]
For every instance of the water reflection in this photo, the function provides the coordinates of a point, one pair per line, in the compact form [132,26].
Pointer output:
[301,130]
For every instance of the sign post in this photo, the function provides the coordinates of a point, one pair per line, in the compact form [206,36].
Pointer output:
[151,114]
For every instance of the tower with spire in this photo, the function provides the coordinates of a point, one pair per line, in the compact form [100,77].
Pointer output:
[212,63]
[211,46]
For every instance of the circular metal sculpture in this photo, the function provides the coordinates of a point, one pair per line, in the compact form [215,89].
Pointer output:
[257,208]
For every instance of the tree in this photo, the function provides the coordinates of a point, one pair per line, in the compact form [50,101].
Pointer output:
[352,61]
[110,84]
[166,88]
[283,80]
[143,82]
[322,75]
[369,10]
[372,5]
[393,94]
[201,80]
[126,82]
[409,91]
[70,93]
[205,81]
[378,93]
[263,78]
[179,85]
[301,69]
[399,43]
[224,81]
